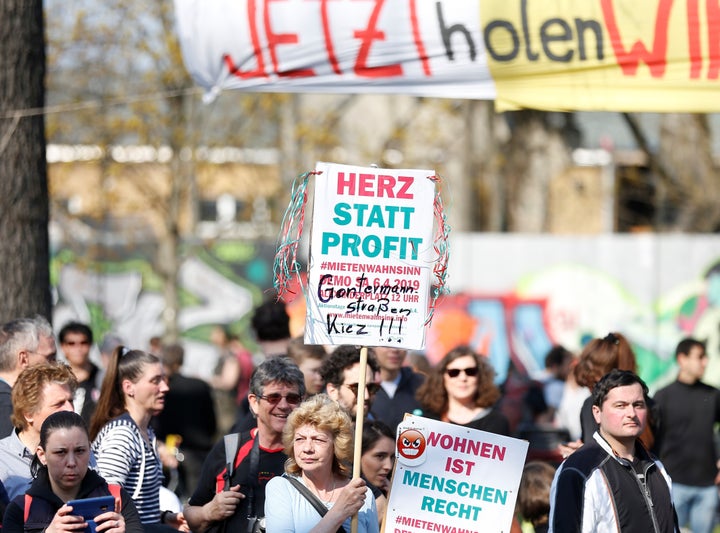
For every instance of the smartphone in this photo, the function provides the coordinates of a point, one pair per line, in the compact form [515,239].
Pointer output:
[89,508]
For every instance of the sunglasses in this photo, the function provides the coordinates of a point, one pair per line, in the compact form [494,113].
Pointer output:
[469,372]
[371,387]
[292,398]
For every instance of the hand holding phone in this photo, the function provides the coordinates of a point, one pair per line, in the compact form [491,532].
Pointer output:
[90,508]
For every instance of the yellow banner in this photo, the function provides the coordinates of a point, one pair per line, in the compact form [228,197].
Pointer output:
[619,55]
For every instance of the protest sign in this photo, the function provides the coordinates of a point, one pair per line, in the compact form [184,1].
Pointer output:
[453,479]
[371,256]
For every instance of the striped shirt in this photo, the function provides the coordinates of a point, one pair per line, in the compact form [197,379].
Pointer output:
[125,458]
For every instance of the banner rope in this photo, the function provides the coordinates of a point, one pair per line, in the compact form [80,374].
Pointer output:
[442,249]
[285,266]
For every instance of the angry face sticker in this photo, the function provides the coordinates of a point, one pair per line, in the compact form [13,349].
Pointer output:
[411,447]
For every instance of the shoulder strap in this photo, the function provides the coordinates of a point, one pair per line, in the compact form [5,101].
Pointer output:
[309,496]
[254,467]
[302,489]
[231,441]
[237,453]
[141,477]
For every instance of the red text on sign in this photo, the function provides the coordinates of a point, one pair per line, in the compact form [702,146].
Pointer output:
[379,185]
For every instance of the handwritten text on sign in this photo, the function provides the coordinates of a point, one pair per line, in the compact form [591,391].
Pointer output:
[371,256]
[445,471]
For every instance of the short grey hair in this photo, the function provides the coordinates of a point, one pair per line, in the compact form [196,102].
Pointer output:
[277,370]
[21,334]
[44,328]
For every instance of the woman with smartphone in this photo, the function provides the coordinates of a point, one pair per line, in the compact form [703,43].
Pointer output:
[124,444]
[61,475]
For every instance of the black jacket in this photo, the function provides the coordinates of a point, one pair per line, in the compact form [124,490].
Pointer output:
[594,490]
[189,412]
[45,504]
[392,410]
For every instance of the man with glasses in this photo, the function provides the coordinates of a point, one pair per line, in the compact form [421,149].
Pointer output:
[231,492]
[341,374]
[399,385]
[24,342]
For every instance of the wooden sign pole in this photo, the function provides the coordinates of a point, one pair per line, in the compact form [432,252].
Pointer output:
[360,417]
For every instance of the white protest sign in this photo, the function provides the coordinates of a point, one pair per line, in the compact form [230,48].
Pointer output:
[371,256]
[453,479]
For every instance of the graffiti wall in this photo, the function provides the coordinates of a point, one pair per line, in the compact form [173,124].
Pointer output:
[512,297]
[219,285]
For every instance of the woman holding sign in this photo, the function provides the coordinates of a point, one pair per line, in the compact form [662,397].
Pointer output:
[316,494]
[460,390]
[60,469]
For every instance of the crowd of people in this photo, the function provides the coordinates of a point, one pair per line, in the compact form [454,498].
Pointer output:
[164,446]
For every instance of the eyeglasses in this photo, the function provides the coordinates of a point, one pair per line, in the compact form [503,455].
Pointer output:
[455,372]
[292,398]
[371,387]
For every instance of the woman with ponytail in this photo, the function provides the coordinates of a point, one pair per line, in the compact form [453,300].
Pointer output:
[124,444]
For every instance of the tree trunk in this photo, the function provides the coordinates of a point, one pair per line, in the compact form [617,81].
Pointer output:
[537,153]
[169,260]
[691,191]
[489,190]
[24,211]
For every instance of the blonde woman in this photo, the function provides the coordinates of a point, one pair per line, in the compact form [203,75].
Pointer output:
[318,441]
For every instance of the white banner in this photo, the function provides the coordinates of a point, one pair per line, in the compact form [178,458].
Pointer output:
[371,256]
[452,478]
[344,46]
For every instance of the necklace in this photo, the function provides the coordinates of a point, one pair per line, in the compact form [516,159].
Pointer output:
[332,494]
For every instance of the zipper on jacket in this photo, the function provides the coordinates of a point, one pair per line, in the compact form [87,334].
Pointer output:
[641,479]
